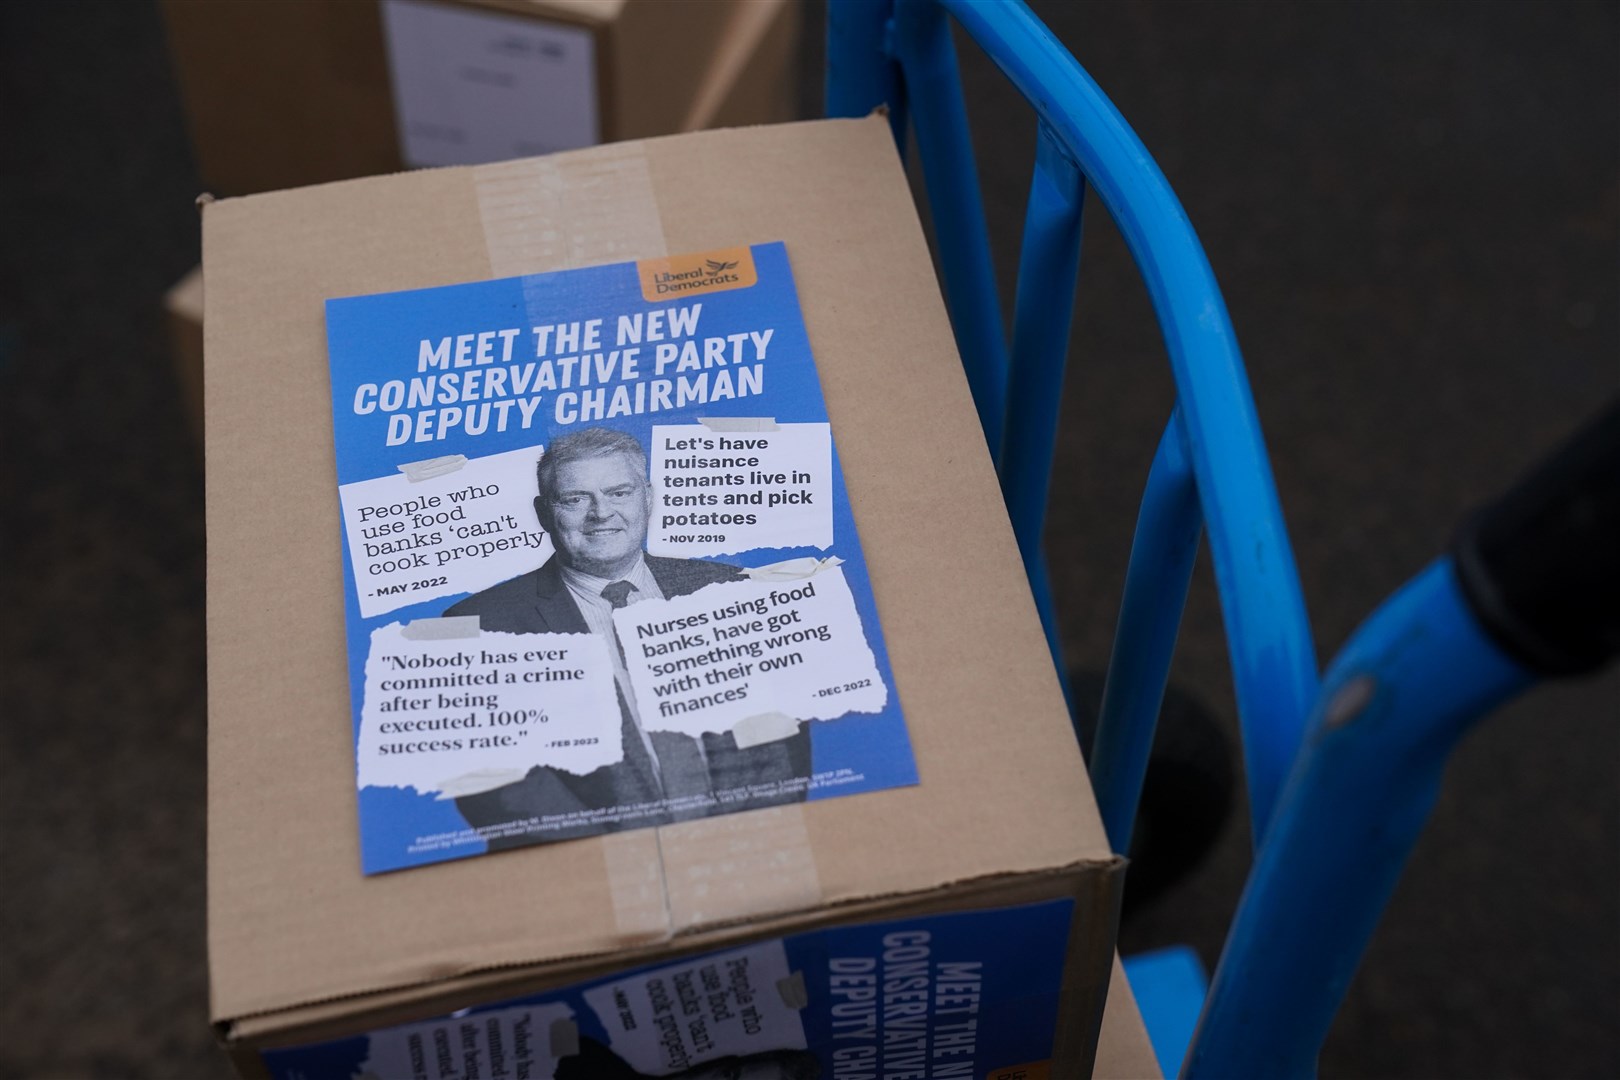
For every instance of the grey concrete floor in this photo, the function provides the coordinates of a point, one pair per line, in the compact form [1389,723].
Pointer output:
[1413,211]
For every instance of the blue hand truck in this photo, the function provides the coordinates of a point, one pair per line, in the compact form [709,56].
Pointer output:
[1342,767]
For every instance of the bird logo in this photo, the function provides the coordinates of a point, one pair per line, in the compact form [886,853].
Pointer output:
[717,267]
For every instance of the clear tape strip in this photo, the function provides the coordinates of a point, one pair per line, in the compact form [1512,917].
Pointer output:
[794,993]
[635,874]
[561,212]
[442,628]
[555,213]
[739,423]
[762,728]
[432,468]
[738,866]
[564,1038]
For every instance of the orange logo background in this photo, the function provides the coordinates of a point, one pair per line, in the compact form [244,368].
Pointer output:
[680,276]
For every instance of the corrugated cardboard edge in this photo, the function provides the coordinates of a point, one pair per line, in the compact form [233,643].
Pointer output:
[1094,885]
[1086,972]
[1124,1050]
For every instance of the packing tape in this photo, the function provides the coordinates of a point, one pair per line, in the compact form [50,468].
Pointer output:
[635,875]
[564,1038]
[763,728]
[715,870]
[477,782]
[792,569]
[417,471]
[562,212]
[739,423]
[794,993]
[738,866]
[442,628]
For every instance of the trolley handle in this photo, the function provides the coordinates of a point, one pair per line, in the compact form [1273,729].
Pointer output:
[1540,566]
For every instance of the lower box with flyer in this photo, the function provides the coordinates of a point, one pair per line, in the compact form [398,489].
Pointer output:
[620,662]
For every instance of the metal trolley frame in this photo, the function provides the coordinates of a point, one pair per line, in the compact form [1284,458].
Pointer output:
[1343,767]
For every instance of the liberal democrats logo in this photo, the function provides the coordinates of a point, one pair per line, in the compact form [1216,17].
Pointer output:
[679,276]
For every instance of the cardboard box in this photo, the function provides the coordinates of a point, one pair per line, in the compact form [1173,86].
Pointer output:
[288,94]
[1000,832]
[755,78]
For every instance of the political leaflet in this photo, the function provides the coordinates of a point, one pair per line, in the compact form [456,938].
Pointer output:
[602,570]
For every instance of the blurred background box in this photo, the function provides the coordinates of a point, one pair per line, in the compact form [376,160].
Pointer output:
[756,77]
[289,94]
[753,79]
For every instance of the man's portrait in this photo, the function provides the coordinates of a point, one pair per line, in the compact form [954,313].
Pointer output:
[594,500]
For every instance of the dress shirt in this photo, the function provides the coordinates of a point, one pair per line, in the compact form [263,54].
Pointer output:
[586,590]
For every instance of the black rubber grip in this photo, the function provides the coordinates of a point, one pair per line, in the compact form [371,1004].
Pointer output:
[1540,566]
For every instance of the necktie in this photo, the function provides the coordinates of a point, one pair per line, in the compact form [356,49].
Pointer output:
[618,593]
[680,766]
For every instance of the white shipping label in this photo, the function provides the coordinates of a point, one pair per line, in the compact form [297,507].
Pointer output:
[472,87]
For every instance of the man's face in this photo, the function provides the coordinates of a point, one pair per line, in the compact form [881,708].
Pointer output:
[598,516]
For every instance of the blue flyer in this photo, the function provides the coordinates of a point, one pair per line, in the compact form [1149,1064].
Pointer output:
[601,567]
[974,995]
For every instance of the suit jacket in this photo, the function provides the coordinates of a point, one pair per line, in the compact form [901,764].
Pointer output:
[539,602]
